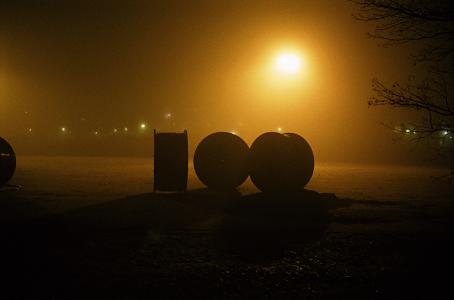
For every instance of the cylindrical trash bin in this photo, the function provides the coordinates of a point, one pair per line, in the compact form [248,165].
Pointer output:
[7,162]
[220,161]
[170,161]
[280,162]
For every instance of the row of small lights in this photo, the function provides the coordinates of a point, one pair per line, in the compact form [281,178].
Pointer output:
[64,129]
[443,132]
[142,127]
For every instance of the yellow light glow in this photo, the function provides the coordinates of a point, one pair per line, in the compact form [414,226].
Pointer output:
[288,63]
[63,129]
[143,126]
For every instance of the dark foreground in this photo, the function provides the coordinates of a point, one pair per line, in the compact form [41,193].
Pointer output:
[204,244]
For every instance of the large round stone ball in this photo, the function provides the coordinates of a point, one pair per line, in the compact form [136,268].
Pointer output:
[7,162]
[220,161]
[280,162]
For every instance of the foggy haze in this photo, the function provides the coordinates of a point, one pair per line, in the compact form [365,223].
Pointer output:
[96,69]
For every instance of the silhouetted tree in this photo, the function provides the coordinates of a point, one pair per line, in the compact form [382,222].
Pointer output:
[429,25]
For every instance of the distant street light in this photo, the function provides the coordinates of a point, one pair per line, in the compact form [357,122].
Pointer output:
[288,63]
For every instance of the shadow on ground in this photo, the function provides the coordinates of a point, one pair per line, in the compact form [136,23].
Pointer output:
[88,246]
[204,244]
[256,226]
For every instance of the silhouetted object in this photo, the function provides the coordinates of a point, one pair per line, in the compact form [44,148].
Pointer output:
[7,162]
[220,161]
[280,162]
[170,161]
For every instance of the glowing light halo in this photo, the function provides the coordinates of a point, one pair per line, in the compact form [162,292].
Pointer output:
[288,63]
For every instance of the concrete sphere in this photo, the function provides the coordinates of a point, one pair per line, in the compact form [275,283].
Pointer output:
[280,162]
[7,162]
[220,161]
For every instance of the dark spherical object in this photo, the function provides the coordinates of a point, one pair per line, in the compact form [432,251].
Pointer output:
[7,162]
[220,161]
[280,162]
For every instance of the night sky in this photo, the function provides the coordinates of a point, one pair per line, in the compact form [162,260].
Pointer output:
[205,66]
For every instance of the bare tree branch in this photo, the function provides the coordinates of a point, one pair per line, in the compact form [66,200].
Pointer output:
[429,24]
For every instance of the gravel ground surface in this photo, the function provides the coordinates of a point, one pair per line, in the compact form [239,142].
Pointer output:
[61,244]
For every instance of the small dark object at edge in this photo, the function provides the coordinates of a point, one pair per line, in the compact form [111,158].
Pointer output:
[7,162]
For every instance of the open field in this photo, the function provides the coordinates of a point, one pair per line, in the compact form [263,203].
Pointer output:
[91,227]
